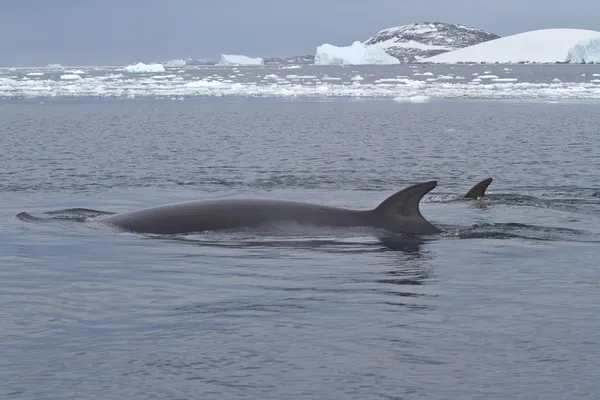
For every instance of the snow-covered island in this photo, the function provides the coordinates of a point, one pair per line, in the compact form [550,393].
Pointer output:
[403,44]
[413,42]
[539,46]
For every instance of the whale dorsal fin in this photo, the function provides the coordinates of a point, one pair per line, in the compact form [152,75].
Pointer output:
[402,210]
[479,189]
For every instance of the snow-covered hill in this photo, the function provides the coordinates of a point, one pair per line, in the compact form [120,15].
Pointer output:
[540,46]
[413,42]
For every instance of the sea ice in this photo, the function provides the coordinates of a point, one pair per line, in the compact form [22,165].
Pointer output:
[412,99]
[355,54]
[338,82]
[70,77]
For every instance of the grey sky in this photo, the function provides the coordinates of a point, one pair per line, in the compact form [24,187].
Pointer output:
[75,32]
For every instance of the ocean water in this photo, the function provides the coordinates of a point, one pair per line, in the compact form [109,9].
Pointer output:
[503,304]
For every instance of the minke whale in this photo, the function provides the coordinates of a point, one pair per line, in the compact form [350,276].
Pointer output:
[399,214]
[478,190]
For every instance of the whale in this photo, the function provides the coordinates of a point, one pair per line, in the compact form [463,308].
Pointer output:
[478,191]
[398,214]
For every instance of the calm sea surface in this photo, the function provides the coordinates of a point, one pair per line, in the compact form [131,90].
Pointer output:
[503,304]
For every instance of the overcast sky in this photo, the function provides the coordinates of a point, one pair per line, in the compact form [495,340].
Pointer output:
[106,32]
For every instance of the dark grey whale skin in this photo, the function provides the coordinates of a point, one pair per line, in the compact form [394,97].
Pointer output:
[399,213]
[478,190]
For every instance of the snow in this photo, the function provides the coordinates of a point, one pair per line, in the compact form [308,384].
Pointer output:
[229,60]
[585,51]
[540,46]
[355,54]
[411,44]
[141,68]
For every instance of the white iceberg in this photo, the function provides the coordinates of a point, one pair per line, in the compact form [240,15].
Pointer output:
[228,60]
[141,68]
[540,46]
[355,54]
[175,63]
[585,51]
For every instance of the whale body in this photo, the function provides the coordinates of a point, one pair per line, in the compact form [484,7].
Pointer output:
[399,213]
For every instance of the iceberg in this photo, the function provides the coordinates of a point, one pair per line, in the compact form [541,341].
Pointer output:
[586,51]
[355,54]
[141,68]
[229,60]
[175,63]
[539,46]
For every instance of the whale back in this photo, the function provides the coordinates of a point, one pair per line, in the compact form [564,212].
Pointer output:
[212,215]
